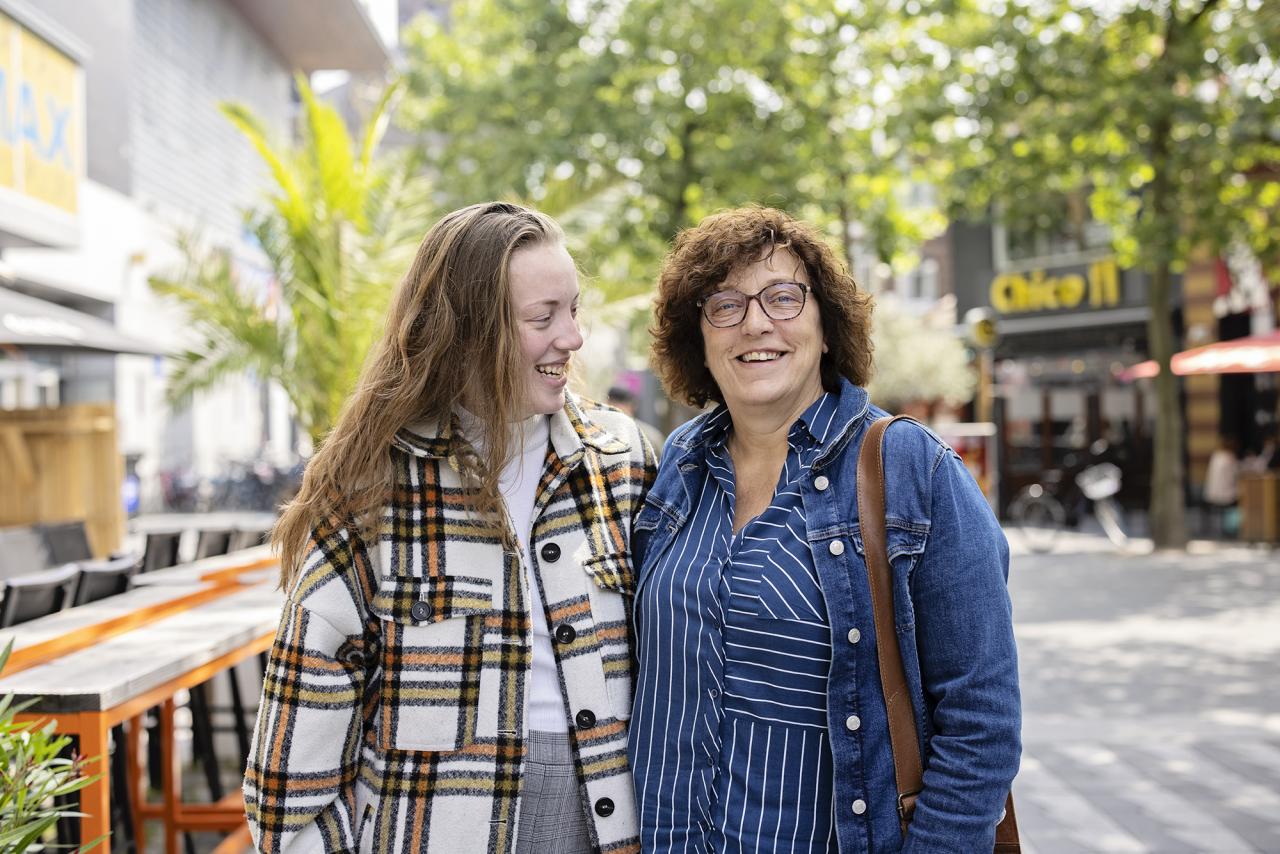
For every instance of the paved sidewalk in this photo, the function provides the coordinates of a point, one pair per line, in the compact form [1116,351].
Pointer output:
[1151,692]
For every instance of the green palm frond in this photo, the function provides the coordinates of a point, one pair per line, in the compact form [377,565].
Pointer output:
[339,230]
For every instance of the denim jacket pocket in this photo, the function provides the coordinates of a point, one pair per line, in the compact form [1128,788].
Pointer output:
[905,543]
[432,660]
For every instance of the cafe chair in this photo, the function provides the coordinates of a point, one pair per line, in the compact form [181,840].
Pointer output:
[67,542]
[37,594]
[102,578]
[247,539]
[161,550]
[211,543]
[22,551]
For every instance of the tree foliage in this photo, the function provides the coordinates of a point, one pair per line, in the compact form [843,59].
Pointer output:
[639,118]
[917,360]
[338,229]
[1160,116]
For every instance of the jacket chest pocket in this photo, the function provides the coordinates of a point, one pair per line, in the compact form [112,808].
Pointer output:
[611,594]
[433,640]
[904,544]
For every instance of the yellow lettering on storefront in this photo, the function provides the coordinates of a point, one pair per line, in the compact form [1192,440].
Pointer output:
[1015,293]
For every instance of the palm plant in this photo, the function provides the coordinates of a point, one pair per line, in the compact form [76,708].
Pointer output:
[36,777]
[338,230]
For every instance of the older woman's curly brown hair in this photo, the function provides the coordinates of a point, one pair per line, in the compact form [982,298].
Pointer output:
[701,260]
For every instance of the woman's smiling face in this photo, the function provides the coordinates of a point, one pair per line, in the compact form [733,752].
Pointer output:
[544,294]
[761,363]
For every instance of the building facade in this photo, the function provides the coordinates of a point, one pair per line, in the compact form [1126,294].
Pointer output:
[140,156]
[1069,321]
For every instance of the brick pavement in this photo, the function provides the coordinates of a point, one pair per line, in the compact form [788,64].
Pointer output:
[1151,695]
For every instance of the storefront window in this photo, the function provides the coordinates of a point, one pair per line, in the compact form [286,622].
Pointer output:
[1049,227]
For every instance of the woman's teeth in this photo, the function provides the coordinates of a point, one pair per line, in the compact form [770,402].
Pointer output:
[550,370]
[759,356]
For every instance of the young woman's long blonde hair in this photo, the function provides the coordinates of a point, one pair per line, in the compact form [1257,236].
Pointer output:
[450,331]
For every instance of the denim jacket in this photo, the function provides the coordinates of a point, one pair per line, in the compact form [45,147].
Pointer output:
[950,562]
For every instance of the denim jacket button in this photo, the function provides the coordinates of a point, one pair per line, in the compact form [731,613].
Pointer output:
[836,547]
[854,635]
[853,722]
[859,806]
[820,483]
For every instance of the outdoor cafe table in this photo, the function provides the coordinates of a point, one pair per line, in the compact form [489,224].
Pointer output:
[136,665]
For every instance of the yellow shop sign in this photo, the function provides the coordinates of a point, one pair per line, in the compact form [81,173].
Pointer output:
[1014,293]
[40,118]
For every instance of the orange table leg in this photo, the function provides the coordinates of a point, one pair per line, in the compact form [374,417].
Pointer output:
[95,799]
[137,783]
[169,774]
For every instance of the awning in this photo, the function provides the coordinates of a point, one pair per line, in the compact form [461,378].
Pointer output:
[1255,354]
[30,323]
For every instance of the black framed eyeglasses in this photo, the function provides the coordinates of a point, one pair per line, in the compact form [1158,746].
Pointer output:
[779,301]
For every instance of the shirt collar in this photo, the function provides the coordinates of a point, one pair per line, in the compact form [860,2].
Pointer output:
[571,429]
[851,403]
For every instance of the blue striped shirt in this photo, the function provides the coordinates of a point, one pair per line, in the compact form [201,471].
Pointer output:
[728,740]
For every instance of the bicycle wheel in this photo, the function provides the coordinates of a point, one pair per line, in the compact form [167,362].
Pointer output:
[1039,517]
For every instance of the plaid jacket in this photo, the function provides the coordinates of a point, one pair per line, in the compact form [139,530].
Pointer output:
[393,709]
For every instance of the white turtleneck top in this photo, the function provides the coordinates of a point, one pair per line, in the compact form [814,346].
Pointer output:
[518,484]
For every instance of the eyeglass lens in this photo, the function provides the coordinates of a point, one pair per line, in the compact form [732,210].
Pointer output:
[780,301]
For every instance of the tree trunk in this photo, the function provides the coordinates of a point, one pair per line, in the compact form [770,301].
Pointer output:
[846,240]
[1167,508]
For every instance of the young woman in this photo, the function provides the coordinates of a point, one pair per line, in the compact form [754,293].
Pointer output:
[452,671]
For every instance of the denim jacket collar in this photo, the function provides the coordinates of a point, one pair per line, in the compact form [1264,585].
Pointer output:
[687,448]
[710,426]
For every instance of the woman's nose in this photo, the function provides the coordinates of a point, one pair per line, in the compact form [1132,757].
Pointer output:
[755,320]
[571,337]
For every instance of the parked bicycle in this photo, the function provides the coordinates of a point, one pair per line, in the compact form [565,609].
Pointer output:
[1043,510]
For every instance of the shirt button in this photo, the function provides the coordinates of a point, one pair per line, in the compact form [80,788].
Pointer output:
[550,552]
[566,634]
[820,483]
[836,547]
[853,722]
[604,807]
[854,635]
[713,693]
[859,806]
[585,719]
[420,611]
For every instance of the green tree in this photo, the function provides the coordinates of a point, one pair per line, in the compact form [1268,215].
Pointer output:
[917,361]
[338,230]
[652,115]
[1162,117]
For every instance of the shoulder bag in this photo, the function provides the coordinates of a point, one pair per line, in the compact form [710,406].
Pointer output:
[907,766]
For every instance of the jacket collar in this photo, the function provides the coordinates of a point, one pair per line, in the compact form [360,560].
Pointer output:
[571,429]
[710,426]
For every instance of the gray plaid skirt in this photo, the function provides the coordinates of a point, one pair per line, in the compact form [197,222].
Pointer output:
[552,820]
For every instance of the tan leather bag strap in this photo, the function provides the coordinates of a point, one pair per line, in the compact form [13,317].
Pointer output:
[907,767]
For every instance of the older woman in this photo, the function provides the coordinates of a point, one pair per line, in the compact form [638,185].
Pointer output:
[759,722]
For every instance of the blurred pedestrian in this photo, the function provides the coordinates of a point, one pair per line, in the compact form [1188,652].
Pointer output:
[464,509]
[1222,485]
[626,401]
[759,713]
